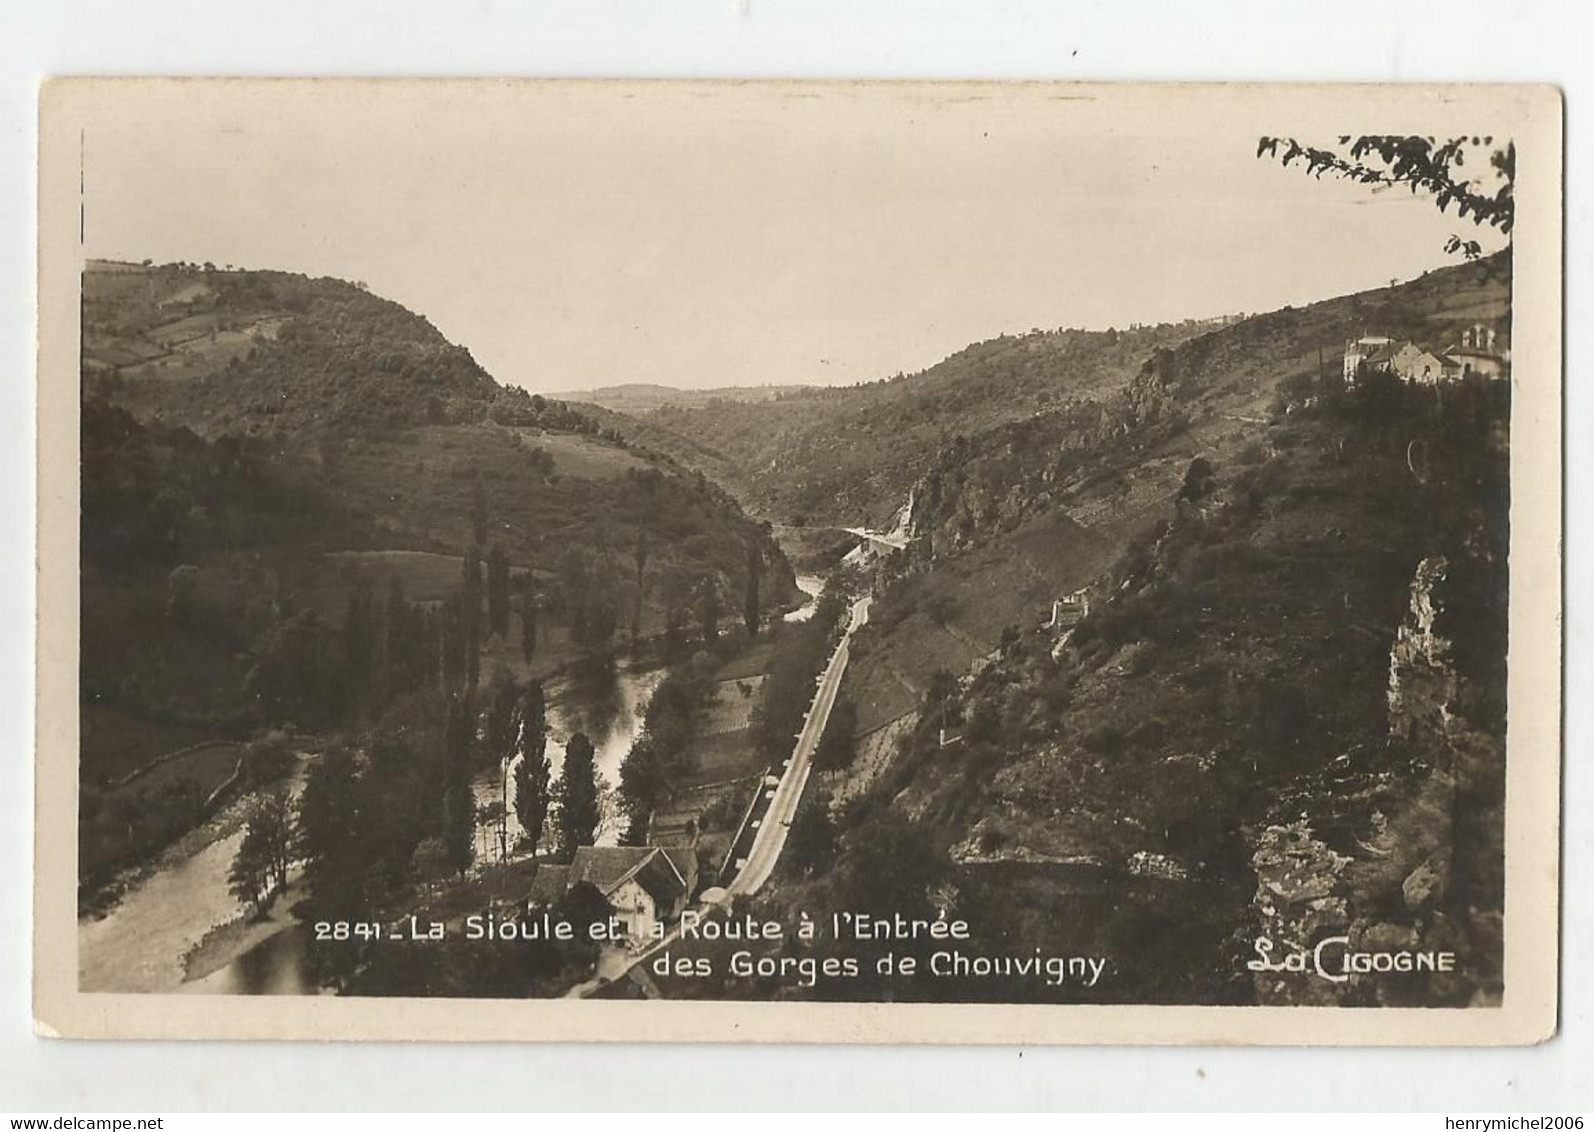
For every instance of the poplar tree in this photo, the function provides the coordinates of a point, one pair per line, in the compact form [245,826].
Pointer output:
[528,629]
[711,610]
[755,568]
[498,591]
[327,821]
[532,772]
[478,512]
[459,807]
[471,611]
[578,796]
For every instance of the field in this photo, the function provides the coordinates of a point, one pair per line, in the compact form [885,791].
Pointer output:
[116,742]
[732,705]
[425,575]
[724,765]
[583,457]
[151,686]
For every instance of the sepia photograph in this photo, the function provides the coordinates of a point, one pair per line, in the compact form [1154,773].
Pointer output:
[796,555]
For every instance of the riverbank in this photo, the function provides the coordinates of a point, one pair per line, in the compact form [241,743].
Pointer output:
[138,934]
[223,944]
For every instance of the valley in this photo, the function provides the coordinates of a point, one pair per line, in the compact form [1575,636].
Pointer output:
[1098,640]
[1247,541]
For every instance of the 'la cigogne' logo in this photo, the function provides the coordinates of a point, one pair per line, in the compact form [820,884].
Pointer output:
[1335,960]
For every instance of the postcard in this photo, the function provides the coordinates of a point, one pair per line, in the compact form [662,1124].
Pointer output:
[798,561]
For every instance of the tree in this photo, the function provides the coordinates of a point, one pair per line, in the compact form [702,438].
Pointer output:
[503,729]
[247,879]
[528,628]
[459,806]
[641,560]
[359,640]
[894,865]
[503,716]
[578,796]
[471,598]
[452,667]
[644,784]
[326,836]
[301,672]
[1423,164]
[532,772]
[811,842]
[260,868]
[836,747]
[498,591]
[677,597]
[755,567]
[478,512]
[266,759]
[400,644]
[1198,480]
[711,609]
[272,822]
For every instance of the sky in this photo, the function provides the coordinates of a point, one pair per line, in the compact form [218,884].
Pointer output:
[581,235]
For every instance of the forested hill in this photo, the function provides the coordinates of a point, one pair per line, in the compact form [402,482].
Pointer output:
[1279,707]
[823,456]
[637,398]
[268,445]
[261,352]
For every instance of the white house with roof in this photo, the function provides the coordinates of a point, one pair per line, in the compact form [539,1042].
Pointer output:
[1477,355]
[645,885]
[1370,350]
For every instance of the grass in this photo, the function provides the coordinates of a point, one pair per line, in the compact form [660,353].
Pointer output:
[730,708]
[753,661]
[125,821]
[583,457]
[730,754]
[425,575]
[116,742]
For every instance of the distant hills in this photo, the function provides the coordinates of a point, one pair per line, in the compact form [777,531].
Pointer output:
[644,398]
[827,456]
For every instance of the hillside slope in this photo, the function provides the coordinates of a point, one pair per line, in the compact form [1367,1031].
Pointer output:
[276,443]
[1282,715]
[847,455]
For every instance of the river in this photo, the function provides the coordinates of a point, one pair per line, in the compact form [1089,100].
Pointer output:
[811,586]
[607,704]
[140,944]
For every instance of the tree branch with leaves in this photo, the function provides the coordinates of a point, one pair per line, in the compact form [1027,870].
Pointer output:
[1438,167]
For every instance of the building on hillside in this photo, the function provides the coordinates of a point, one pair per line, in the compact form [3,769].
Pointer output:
[1480,353]
[1477,355]
[1361,352]
[1410,362]
[1069,610]
[645,885]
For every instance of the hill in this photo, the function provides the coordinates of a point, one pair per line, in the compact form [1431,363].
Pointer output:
[1281,713]
[640,398]
[272,462]
[847,455]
